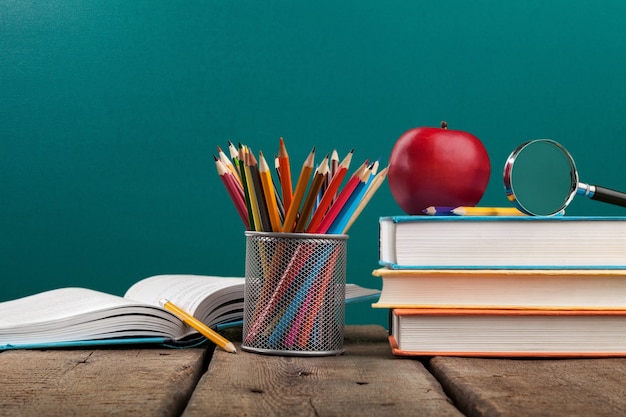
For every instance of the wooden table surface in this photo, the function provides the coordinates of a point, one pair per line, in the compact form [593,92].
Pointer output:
[367,380]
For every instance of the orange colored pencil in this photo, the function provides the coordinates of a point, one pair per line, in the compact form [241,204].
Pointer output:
[298,195]
[307,208]
[329,194]
[284,169]
[341,200]
[269,193]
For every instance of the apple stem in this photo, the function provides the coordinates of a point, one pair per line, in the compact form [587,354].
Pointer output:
[444,124]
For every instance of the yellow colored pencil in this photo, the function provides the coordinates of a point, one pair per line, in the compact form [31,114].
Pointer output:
[269,193]
[298,195]
[487,211]
[264,216]
[202,328]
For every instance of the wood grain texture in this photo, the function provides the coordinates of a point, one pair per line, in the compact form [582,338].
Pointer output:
[124,382]
[367,380]
[527,387]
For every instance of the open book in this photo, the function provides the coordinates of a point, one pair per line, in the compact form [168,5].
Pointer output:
[69,317]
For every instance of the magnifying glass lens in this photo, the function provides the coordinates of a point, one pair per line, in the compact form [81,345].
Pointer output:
[543,178]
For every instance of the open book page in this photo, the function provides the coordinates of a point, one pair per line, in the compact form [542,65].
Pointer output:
[356,293]
[56,305]
[199,295]
[69,314]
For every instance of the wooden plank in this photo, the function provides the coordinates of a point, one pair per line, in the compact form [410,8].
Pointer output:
[367,380]
[519,387]
[127,382]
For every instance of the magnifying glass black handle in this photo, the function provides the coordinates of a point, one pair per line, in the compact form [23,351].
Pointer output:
[606,195]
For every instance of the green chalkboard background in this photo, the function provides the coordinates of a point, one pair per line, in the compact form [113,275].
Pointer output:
[110,112]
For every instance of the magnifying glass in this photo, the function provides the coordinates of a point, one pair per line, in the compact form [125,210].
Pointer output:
[540,178]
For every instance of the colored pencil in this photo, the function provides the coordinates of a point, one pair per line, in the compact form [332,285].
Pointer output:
[334,166]
[228,164]
[298,195]
[285,175]
[244,185]
[344,215]
[341,200]
[290,273]
[202,328]
[317,300]
[264,216]
[279,199]
[234,189]
[254,205]
[487,211]
[309,285]
[371,190]
[234,156]
[269,194]
[438,211]
[329,194]
[307,207]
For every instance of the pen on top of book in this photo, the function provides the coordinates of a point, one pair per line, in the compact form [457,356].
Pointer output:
[318,203]
[196,324]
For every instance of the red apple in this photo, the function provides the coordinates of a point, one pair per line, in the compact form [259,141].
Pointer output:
[432,166]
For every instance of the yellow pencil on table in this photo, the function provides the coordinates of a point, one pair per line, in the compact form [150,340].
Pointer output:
[202,328]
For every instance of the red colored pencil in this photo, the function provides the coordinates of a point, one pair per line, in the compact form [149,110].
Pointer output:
[329,194]
[341,200]
[234,189]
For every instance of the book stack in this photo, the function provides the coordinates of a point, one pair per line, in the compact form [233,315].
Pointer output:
[504,286]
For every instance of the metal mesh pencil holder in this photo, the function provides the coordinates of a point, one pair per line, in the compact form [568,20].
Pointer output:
[294,301]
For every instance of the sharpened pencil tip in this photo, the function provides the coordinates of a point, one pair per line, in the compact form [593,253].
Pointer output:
[230,348]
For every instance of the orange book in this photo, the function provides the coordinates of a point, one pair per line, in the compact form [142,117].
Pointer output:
[508,333]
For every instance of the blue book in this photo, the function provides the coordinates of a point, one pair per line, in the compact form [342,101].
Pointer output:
[81,317]
[502,242]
